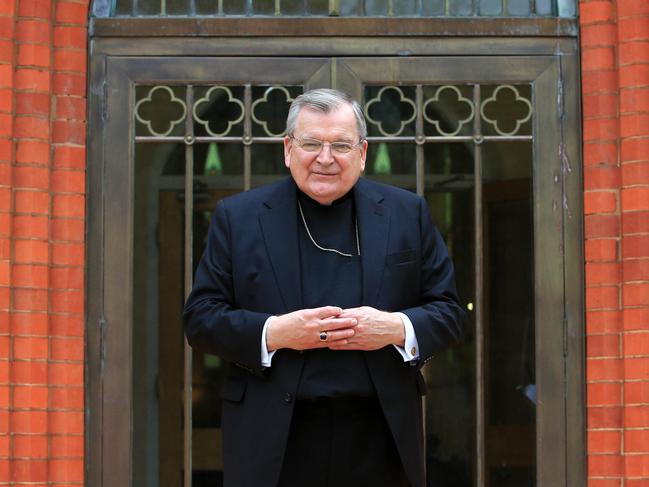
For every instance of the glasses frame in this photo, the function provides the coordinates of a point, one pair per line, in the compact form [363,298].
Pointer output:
[300,141]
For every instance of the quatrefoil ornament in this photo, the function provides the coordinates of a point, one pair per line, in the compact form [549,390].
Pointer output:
[264,99]
[460,101]
[517,99]
[157,109]
[377,103]
[207,99]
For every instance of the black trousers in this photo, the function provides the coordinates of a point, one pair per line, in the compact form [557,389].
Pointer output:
[338,443]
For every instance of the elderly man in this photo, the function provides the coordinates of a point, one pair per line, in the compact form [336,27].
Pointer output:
[326,293]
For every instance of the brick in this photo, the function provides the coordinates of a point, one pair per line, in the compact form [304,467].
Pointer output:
[6,150]
[633,28]
[66,470]
[608,369]
[32,79]
[69,84]
[7,9]
[602,273]
[636,294]
[30,397]
[26,177]
[28,471]
[599,82]
[32,152]
[636,344]
[6,100]
[636,368]
[69,131]
[634,124]
[602,177]
[69,157]
[5,174]
[69,36]
[628,8]
[636,318]
[67,446]
[70,107]
[68,398]
[601,226]
[636,417]
[33,30]
[636,441]
[6,28]
[68,229]
[71,13]
[600,202]
[603,346]
[34,55]
[67,349]
[30,299]
[66,374]
[66,277]
[66,422]
[635,270]
[7,51]
[5,278]
[69,205]
[29,372]
[635,246]
[68,301]
[633,52]
[70,60]
[604,482]
[604,394]
[68,253]
[31,251]
[602,297]
[67,325]
[636,465]
[634,75]
[636,483]
[604,442]
[597,35]
[31,201]
[30,347]
[25,275]
[32,127]
[634,199]
[635,222]
[30,226]
[5,298]
[598,58]
[35,8]
[594,12]
[635,99]
[601,250]
[6,125]
[606,466]
[33,104]
[68,182]
[30,446]
[601,129]
[634,173]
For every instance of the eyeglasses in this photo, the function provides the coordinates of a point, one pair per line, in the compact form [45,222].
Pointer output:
[315,145]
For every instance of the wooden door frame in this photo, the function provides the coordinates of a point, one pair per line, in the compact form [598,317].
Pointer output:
[103,405]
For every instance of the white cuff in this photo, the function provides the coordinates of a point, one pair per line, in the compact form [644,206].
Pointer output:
[266,356]
[410,349]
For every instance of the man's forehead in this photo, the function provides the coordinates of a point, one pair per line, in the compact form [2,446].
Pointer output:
[342,120]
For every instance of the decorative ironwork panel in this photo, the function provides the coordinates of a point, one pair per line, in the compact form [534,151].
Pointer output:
[362,8]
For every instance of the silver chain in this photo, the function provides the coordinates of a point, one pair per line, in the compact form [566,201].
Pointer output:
[306,227]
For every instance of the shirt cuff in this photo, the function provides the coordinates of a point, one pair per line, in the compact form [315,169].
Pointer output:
[410,349]
[266,356]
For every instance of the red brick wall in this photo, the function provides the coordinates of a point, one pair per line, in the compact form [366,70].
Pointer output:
[615,83]
[42,208]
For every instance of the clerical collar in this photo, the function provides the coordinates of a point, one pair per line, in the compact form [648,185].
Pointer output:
[306,199]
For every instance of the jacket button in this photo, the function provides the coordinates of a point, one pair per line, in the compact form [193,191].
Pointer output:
[288,397]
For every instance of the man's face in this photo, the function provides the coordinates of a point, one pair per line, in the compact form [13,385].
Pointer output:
[325,175]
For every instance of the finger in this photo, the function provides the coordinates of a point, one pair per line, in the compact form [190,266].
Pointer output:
[326,312]
[337,323]
[337,336]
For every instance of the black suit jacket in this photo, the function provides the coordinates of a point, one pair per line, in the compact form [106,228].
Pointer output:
[250,271]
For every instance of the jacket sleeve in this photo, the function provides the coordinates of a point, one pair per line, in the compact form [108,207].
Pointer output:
[438,320]
[213,322]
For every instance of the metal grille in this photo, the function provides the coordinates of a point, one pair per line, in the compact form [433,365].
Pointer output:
[362,8]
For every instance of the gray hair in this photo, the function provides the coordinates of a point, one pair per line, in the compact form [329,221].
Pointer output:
[325,100]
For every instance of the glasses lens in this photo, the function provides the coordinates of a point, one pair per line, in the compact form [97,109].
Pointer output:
[311,145]
[341,147]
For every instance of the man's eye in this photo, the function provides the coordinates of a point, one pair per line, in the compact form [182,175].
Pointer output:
[311,146]
[341,147]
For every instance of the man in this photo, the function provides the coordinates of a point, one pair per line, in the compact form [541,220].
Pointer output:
[327,293]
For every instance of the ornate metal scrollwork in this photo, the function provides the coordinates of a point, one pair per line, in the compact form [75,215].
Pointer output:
[377,101]
[517,99]
[461,101]
[208,99]
[264,99]
[149,122]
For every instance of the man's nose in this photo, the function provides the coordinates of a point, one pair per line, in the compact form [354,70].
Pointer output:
[325,156]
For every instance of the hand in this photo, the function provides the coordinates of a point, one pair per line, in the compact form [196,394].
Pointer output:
[300,330]
[375,329]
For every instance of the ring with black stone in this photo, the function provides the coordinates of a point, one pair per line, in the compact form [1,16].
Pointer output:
[323,336]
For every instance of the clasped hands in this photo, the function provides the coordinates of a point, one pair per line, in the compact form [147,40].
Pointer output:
[363,328]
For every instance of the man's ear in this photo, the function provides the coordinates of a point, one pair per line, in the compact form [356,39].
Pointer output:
[363,154]
[287,150]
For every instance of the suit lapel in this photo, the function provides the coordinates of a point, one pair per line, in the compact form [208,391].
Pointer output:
[279,227]
[373,227]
